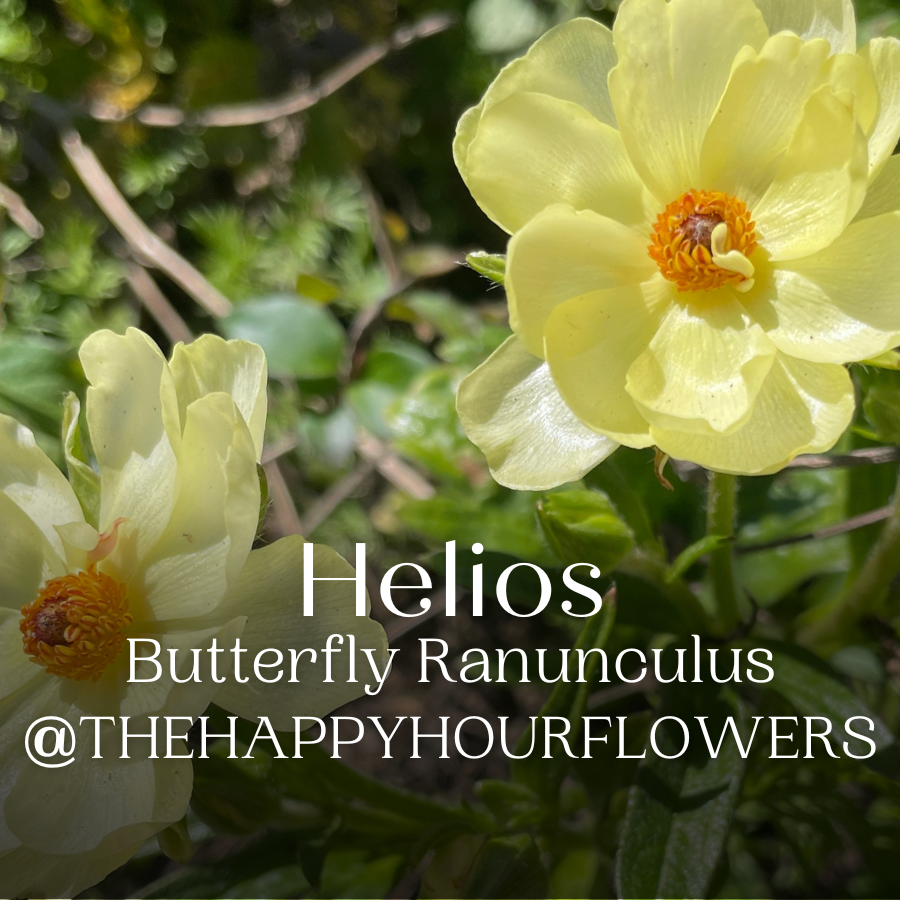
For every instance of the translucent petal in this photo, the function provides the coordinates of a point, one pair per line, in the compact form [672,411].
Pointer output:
[511,409]
[883,195]
[268,593]
[561,254]
[759,113]
[210,364]
[820,183]
[592,341]
[839,305]
[802,408]
[704,366]
[830,19]
[670,78]
[532,150]
[883,57]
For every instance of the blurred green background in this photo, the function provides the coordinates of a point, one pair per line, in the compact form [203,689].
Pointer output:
[332,228]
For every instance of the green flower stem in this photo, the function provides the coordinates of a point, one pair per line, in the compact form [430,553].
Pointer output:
[866,595]
[720,514]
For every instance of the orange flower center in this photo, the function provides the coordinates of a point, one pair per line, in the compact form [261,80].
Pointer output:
[698,241]
[74,628]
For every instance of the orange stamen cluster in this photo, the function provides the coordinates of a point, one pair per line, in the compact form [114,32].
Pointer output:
[74,628]
[681,239]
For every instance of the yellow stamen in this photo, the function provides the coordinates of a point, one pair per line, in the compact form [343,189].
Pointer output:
[703,240]
[74,627]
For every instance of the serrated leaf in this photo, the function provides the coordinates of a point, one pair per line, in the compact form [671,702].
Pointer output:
[812,686]
[491,265]
[679,810]
[583,526]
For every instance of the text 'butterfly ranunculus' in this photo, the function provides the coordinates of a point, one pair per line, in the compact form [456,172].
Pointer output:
[154,543]
[705,231]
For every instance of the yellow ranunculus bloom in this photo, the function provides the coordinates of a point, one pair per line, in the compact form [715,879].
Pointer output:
[705,229]
[177,445]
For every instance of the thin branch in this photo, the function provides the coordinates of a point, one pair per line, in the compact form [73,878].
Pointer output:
[398,629]
[157,304]
[325,505]
[20,213]
[228,115]
[285,519]
[276,451]
[146,246]
[852,524]
[397,472]
[868,456]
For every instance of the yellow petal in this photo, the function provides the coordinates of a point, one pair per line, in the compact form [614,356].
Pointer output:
[802,408]
[18,670]
[26,557]
[883,57]
[214,519]
[561,254]
[704,367]
[759,113]
[268,593]
[33,483]
[129,405]
[532,150]
[839,305]
[31,873]
[820,184]
[830,19]
[675,60]
[210,364]
[883,195]
[592,341]
[511,409]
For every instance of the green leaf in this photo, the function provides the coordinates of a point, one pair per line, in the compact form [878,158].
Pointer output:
[814,689]
[491,265]
[84,480]
[302,339]
[583,526]
[693,553]
[679,810]
[569,700]
[882,409]
[507,867]
[351,873]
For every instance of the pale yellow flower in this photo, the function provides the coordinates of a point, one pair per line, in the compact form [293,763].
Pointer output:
[703,209]
[177,446]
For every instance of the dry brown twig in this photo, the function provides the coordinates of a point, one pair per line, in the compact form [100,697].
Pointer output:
[229,115]
[20,213]
[148,248]
[157,304]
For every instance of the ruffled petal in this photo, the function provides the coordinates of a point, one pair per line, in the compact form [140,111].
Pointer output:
[561,254]
[33,483]
[268,593]
[883,57]
[669,79]
[532,150]
[839,305]
[212,365]
[703,368]
[30,873]
[883,195]
[215,516]
[833,20]
[132,419]
[592,341]
[510,408]
[820,183]
[759,114]
[802,408]
[26,557]
[18,670]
